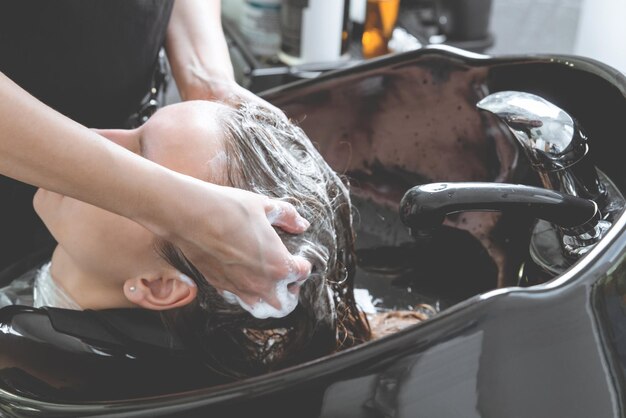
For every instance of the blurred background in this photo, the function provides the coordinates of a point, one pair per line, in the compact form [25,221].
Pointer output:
[592,28]
[529,26]
[273,42]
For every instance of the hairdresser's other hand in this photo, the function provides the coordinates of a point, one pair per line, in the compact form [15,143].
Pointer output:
[223,89]
[232,241]
[198,54]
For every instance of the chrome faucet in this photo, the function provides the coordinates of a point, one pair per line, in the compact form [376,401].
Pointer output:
[558,151]
[576,206]
[552,140]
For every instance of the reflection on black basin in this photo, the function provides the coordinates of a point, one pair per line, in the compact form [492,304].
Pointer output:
[438,270]
[409,273]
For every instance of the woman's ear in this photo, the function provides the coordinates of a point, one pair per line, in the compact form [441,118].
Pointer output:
[162,292]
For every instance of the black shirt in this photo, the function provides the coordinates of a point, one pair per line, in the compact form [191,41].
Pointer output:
[92,60]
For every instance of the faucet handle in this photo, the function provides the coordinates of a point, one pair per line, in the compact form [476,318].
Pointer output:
[423,209]
[551,138]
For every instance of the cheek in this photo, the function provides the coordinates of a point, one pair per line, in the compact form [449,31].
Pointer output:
[94,238]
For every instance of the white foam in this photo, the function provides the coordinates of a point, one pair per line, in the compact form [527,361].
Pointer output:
[364,301]
[186,279]
[230,297]
[274,214]
[262,309]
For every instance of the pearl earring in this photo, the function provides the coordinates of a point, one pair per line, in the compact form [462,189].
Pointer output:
[132,288]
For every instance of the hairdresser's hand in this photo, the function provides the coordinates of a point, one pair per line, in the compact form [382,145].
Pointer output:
[198,55]
[227,234]
[225,90]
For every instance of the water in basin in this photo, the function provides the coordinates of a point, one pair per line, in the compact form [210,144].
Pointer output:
[401,274]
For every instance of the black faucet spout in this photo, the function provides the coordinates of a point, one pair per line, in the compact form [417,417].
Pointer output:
[423,208]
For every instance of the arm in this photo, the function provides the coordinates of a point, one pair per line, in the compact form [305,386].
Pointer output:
[37,145]
[225,232]
[197,50]
[198,54]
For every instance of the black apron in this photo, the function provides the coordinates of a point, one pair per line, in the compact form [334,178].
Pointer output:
[92,60]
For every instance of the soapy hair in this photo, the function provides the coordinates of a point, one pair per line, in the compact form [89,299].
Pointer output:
[268,154]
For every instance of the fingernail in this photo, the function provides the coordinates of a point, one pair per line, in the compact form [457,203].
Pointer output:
[303,223]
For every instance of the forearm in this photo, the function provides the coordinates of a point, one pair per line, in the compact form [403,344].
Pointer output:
[41,147]
[197,50]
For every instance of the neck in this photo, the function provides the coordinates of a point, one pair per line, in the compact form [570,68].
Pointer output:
[86,289]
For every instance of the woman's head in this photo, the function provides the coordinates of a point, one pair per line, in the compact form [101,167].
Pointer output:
[267,154]
[255,149]
[112,254]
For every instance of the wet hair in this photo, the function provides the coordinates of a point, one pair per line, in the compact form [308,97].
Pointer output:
[268,154]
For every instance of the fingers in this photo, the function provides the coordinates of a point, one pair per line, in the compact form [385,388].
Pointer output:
[300,269]
[301,272]
[281,300]
[286,217]
[250,265]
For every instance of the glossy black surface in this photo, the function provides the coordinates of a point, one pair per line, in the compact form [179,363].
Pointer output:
[552,350]
[424,207]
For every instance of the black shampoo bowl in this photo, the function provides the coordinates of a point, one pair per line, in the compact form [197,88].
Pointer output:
[494,350]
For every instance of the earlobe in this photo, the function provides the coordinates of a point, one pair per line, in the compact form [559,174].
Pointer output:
[160,293]
[132,291]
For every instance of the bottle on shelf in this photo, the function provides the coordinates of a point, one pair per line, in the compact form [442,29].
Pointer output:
[260,25]
[357,18]
[314,31]
[380,20]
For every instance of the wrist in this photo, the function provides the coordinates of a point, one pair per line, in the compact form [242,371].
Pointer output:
[200,83]
[168,203]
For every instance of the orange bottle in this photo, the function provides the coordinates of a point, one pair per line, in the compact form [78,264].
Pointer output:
[380,20]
